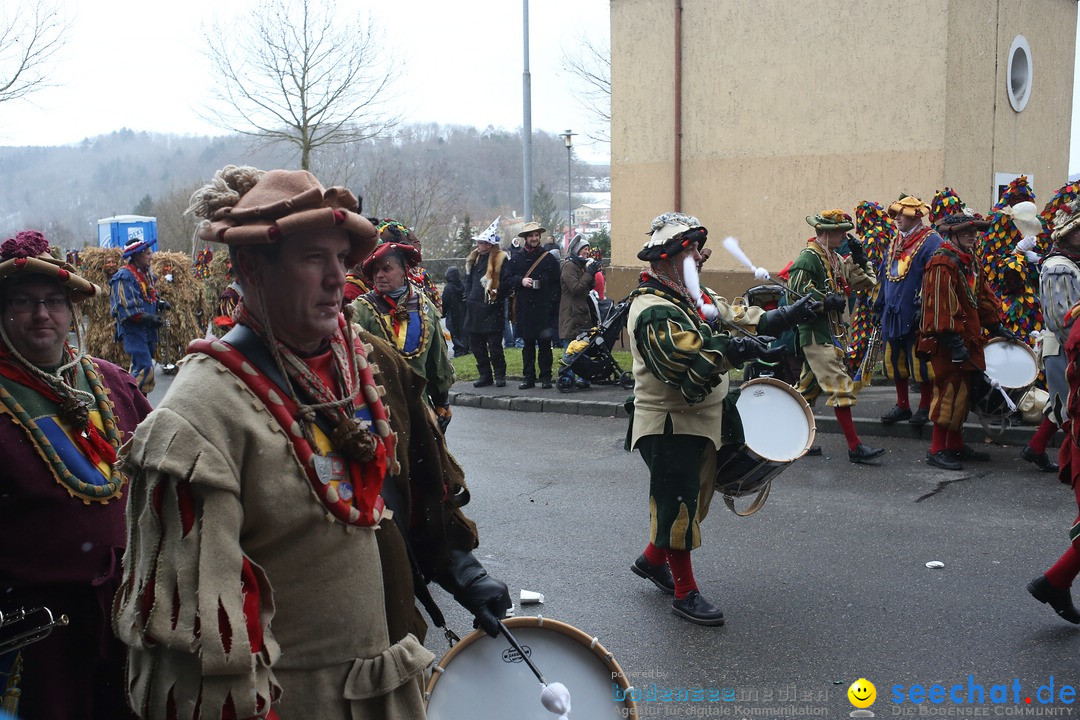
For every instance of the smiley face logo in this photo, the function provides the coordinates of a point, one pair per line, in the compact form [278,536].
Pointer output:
[862,693]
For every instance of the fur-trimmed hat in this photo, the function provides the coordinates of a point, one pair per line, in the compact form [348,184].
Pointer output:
[1066,219]
[29,253]
[246,206]
[531,227]
[952,224]
[134,247]
[409,255]
[670,234]
[944,203]
[910,206]
[835,219]
[491,235]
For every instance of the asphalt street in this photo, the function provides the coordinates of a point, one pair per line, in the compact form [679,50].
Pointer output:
[827,584]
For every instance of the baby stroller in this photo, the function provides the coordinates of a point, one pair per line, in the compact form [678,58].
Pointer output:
[589,355]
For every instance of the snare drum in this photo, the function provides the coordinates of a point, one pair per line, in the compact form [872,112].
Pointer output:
[778,427]
[1015,367]
[484,677]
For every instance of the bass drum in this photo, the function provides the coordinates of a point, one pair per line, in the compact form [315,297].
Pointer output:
[778,427]
[484,678]
[1014,366]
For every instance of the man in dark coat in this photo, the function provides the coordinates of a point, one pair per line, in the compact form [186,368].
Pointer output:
[453,302]
[534,276]
[485,297]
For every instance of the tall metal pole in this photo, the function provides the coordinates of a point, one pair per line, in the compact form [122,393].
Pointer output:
[526,125]
[569,183]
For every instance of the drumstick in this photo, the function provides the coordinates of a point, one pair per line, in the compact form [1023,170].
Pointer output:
[555,697]
[517,646]
[731,244]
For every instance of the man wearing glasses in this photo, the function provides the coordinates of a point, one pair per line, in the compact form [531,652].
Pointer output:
[136,308]
[63,416]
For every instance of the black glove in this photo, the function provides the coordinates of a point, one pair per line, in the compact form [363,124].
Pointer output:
[152,321]
[485,597]
[956,347]
[835,303]
[740,349]
[163,305]
[783,318]
[858,252]
[593,266]
[999,330]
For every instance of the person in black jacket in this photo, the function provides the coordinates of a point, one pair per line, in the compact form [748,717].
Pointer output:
[453,303]
[534,276]
[485,297]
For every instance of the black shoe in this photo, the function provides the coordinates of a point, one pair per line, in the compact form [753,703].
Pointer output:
[814,451]
[697,609]
[1041,460]
[896,415]
[920,417]
[1061,600]
[501,382]
[660,575]
[527,385]
[483,382]
[969,453]
[582,384]
[545,384]
[862,453]
[943,460]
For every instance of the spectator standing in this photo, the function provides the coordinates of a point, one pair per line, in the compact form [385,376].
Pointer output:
[534,276]
[485,296]
[577,278]
[453,302]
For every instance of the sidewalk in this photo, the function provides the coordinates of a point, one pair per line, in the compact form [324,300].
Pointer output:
[607,401]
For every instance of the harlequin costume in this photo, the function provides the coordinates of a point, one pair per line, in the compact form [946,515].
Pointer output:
[393,231]
[410,323]
[134,307]
[876,230]
[683,410]
[62,514]
[899,306]
[272,528]
[957,304]
[819,271]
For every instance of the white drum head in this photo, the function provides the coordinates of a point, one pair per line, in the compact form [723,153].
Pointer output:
[1011,364]
[483,678]
[778,423]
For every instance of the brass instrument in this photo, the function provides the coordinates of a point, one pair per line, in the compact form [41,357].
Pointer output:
[13,636]
[873,346]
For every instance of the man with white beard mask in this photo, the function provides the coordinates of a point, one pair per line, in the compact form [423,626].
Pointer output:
[682,413]
[822,273]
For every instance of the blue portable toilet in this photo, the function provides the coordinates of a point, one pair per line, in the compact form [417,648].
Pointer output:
[119,230]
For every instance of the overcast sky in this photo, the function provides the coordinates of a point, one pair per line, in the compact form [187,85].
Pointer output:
[138,64]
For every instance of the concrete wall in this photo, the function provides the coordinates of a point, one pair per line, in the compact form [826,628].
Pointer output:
[793,108]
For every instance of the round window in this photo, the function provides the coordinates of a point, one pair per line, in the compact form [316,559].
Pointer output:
[1018,79]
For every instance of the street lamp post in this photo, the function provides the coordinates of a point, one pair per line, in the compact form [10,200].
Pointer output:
[569,183]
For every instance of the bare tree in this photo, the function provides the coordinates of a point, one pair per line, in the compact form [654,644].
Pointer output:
[29,41]
[590,63]
[293,71]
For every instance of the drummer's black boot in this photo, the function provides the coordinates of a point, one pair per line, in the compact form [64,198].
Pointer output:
[943,459]
[862,453]
[697,609]
[919,417]
[1057,598]
[896,415]
[659,575]
[1040,460]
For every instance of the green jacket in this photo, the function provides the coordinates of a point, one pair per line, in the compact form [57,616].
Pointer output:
[811,274]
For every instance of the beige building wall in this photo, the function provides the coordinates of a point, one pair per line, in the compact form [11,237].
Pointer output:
[789,109]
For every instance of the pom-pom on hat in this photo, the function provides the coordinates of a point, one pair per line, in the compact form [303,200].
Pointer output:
[245,206]
[409,255]
[1066,218]
[134,247]
[28,252]
[944,203]
[531,227]
[952,224]
[910,206]
[835,219]
[491,235]
[670,234]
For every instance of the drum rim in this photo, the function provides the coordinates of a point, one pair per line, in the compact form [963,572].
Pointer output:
[802,403]
[539,622]
[1019,345]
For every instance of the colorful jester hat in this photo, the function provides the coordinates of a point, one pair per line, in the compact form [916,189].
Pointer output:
[876,229]
[945,202]
[1017,191]
[1063,197]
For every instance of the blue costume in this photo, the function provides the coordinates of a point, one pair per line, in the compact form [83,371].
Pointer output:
[899,302]
[134,302]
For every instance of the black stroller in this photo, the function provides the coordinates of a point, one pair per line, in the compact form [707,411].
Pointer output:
[589,355]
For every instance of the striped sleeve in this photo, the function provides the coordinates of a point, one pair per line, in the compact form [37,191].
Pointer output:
[680,353]
[941,305]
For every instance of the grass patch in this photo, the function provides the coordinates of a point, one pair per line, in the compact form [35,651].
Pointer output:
[465,366]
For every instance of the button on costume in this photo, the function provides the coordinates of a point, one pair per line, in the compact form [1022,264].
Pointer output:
[134,306]
[277,498]
[62,508]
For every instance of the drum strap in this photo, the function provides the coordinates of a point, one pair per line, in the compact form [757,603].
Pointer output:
[759,501]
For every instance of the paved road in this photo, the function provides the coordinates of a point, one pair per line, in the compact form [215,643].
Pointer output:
[825,585]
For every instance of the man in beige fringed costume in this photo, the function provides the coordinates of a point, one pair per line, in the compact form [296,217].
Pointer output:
[267,572]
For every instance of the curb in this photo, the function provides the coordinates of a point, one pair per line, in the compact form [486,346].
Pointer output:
[867,427]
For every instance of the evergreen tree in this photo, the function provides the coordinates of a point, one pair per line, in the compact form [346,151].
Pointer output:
[463,241]
[547,213]
[145,206]
[601,240]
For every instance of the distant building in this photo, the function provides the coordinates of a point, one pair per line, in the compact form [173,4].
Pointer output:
[785,109]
